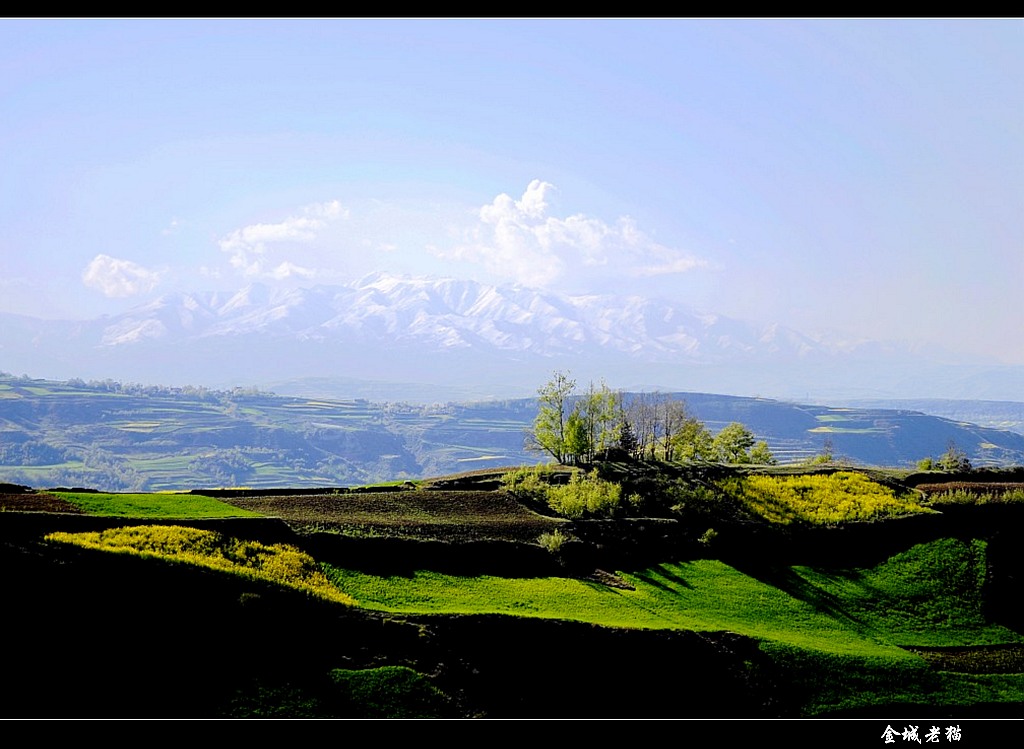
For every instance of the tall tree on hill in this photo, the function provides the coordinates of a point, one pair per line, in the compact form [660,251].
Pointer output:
[601,411]
[627,439]
[692,441]
[579,448]
[549,428]
[642,415]
[673,419]
[736,444]
[954,459]
[733,443]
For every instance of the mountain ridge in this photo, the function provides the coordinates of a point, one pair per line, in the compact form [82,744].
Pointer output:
[465,333]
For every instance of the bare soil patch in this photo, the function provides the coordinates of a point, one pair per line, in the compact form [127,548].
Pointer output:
[36,503]
[610,579]
[443,515]
[988,659]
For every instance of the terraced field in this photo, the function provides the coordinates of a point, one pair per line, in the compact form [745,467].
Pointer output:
[435,514]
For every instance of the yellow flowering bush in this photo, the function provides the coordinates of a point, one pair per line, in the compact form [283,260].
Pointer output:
[276,563]
[820,499]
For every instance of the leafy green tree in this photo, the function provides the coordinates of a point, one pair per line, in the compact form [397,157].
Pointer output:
[627,438]
[601,408]
[578,445]
[553,412]
[761,455]
[673,419]
[954,459]
[640,414]
[733,443]
[693,441]
[825,457]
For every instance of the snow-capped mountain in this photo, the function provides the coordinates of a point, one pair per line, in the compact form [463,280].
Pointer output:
[457,314]
[499,339]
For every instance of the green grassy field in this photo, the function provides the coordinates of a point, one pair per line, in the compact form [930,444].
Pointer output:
[703,595]
[840,636]
[928,596]
[171,506]
[830,684]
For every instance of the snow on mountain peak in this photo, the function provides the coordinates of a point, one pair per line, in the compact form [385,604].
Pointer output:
[385,310]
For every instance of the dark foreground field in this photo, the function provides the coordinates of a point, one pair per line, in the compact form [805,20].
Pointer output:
[914,615]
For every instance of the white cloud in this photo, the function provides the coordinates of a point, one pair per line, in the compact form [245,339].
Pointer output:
[119,278]
[518,240]
[251,246]
[328,211]
[287,270]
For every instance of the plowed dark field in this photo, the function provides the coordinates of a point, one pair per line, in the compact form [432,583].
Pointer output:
[451,515]
[36,503]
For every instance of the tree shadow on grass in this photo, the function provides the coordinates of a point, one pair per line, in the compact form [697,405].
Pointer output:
[790,582]
[660,578]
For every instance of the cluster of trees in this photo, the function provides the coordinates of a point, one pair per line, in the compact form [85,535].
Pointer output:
[30,453]
[954,459]
[197,392]
[575,428]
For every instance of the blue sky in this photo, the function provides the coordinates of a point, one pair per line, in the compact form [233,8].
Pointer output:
[857,175]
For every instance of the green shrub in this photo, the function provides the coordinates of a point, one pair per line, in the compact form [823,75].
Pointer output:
[585,495]
[528,484]
[692,498]
[966,497]
[708,537]
[553,541]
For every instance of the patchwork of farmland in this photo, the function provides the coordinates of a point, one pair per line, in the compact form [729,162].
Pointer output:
[309,593]
[147,438]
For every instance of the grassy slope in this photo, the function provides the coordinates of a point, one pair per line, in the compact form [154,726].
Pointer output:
[704,595]
[928,596]
[834,637]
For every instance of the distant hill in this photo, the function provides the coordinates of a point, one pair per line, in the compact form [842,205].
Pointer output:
[996,414]
[128,437]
